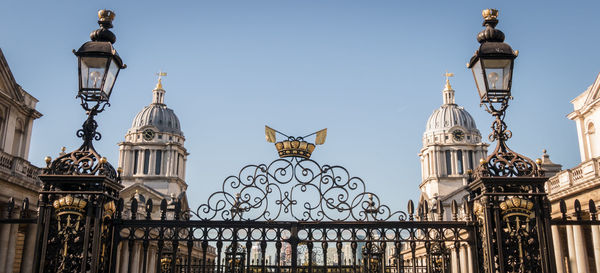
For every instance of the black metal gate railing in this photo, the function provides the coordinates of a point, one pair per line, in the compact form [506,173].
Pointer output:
[280,246]
[292,215]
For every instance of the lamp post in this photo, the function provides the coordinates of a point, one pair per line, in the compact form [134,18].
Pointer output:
[507,191]
[80,189]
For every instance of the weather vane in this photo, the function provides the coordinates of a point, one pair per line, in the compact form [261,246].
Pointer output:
[295,146]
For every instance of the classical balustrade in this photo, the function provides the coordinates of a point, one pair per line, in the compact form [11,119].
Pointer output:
[19,168]
[565,182]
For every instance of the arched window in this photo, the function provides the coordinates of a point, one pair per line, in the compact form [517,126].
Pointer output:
[146,160]
[459,158]
[448,163]
[18,138]
[158,162]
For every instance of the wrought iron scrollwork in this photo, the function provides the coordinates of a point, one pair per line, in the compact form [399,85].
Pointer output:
[268,192]
[504,161]
[85,160]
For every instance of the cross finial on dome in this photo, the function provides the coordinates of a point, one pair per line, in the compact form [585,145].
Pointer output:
[448,91]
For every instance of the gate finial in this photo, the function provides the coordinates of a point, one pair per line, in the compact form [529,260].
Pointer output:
[295,146]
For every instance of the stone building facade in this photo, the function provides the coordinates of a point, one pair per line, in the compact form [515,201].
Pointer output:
[152,159]
[577,248]
[18,177]
[451,146]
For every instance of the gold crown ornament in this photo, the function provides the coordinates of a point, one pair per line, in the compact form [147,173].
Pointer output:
[517,206]
[105,15]
[295,146]
[489,14]
[69,205]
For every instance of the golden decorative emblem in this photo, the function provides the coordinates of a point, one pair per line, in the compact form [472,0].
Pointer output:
[517,206]
[69,205]
[295,146]
[489,14]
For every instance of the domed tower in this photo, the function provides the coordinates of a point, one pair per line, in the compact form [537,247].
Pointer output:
[451,146]
[153,155]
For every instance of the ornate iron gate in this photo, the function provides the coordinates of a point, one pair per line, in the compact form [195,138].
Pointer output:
[292,215]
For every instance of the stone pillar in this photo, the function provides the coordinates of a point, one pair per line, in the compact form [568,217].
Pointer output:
[29,249]
[454,264]
[463,259]
[152,260]
[124,257]
[4,236]
[118,257]
[596,243]
[571,248]
[558,252]
[136,258]
[470,266]
[580,249]
[12,245]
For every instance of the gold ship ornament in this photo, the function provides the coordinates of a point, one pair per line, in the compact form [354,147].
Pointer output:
[295,146]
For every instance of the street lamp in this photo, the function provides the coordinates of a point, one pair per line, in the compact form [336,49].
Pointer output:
[83,177]
[492,67]
[99,63]
[492,64]
[507,189]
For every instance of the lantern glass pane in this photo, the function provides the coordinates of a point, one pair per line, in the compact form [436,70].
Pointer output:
[113,69]
[479,79]
[498,73]
[92,72]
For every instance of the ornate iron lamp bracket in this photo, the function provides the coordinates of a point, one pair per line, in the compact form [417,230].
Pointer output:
[503,161]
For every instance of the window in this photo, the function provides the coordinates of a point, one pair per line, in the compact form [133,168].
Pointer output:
[594,148]
[158,162]
[136,156]
[448,163]
[146,160]
[178,160]
[470,160]
[18,138]
[460,161]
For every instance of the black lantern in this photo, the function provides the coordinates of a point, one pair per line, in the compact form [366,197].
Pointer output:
[492,64]
[99,63]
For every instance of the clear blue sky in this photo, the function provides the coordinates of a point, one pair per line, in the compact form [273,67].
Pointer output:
[370,71]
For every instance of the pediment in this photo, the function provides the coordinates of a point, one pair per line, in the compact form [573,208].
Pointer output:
[8,85]
[146,191]
[593,93]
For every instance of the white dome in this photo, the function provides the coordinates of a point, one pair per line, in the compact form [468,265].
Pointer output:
[449,116]
[157,114]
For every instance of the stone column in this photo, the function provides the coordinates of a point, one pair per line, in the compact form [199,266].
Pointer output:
[596,243]
[12,245]
[124,257]
[454,264]
[136,258]
[152,162]
[29,249]
[571,249]
[470,266]
[152,260]
[463,259]
[558,252]
[580,249]
[118,257]
[4,237]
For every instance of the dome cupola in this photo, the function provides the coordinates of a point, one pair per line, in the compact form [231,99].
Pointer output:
[157,114]
[450,115]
